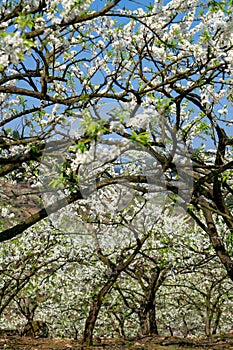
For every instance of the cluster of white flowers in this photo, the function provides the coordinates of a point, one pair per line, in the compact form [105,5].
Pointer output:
[140,121]
[166,63]
[116,126]
[80,158]
[6,213]
[70,272]
[12,49]
[74,8]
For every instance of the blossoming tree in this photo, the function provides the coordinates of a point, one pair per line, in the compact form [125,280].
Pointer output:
[112,104]
[175,284]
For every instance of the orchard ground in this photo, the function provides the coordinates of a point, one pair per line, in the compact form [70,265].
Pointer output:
[217,342]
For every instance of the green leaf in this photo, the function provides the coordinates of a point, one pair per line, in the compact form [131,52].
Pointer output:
[25,20]
[143,138]
[150,7]
[55,183]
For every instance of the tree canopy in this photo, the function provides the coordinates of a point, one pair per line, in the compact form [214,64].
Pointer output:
[109,108]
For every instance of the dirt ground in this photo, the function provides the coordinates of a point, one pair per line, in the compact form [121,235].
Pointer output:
[219,342]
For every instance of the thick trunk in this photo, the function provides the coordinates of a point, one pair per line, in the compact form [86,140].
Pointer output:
[98,300]
[211,230]
[217,321]
[147,317]
[217,244]
[208,326]
[147,313]
[95,308]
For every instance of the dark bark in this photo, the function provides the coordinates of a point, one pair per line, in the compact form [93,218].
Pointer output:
[98,299]
[208,314]
[216,242]
[37,217]
[147,317]
[147,312]
[212,232]
[95,308]
[217,320]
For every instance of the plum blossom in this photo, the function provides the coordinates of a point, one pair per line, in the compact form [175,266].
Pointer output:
[80,158]
[140,121]
[116,126]
[12,47]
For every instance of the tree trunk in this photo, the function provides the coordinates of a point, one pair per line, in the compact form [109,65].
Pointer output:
[217,320]
[215,240]
[147,317]
[208,314]
[95,308]
[98,300]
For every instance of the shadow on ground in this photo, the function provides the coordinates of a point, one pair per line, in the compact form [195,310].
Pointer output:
[218,342]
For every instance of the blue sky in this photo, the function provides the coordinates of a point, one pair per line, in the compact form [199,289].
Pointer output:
[131,4]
